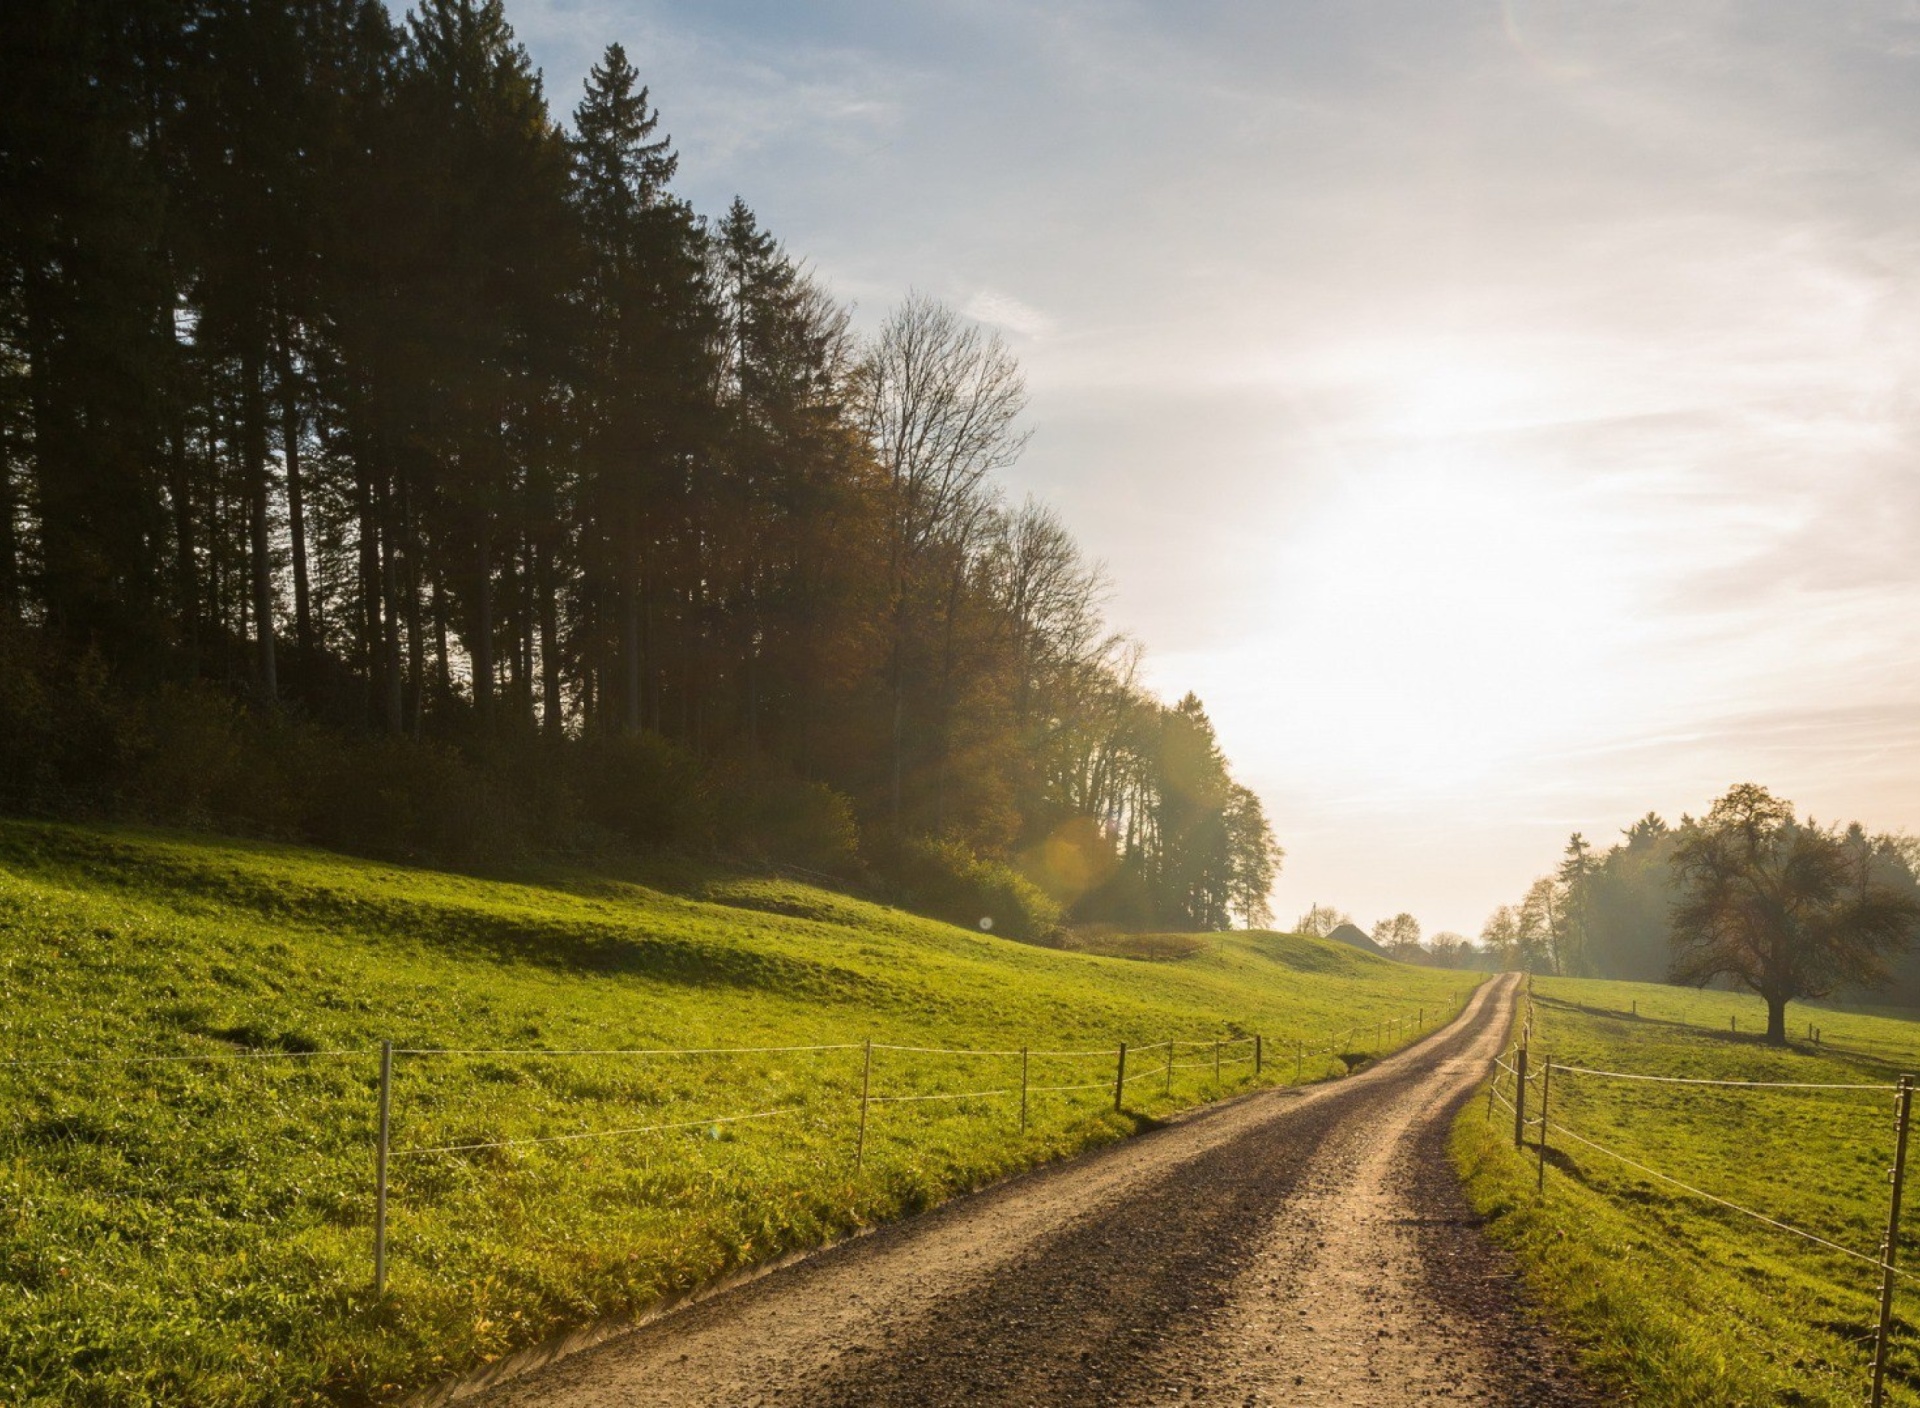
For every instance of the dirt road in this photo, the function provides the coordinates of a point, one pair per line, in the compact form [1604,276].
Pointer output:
[1288,1248]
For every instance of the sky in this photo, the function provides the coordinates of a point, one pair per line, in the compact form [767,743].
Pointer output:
[1506,416]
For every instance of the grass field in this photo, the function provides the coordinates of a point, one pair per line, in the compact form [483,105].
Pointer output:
[1680,1301]
[199,1232]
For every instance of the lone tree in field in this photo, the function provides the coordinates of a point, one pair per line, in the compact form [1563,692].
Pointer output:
[1785,909]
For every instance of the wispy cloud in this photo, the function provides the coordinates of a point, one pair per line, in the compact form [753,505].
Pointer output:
[1506,415]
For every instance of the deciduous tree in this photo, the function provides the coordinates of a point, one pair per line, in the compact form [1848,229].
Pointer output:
[1782,907]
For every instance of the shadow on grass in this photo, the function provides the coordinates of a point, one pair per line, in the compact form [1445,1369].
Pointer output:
[1865,1061]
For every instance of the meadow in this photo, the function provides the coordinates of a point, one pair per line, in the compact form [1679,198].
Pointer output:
[1679,1300]
[199,1231]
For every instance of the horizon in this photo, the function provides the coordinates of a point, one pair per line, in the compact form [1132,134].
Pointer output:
[1437,383]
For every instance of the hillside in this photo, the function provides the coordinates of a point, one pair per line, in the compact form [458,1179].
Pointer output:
[199,1231]
[1681,1301]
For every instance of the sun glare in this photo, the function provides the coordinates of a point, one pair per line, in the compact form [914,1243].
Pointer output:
[1448,614]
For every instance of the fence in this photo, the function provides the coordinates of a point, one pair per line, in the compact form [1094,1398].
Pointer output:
[408,1129]
[1512,1078]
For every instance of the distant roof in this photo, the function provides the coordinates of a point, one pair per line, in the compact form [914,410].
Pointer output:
[1355,935]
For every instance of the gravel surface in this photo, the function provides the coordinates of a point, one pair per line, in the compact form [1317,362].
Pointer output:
[1289,1247]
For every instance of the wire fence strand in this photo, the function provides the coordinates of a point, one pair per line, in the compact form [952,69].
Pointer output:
[1727,1203]
[540,1052]
[1701,1080]
[589,1134]
[190,1056]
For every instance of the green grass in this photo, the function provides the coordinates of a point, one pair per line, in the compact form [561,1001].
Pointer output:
[1678,1301]
[200,1232]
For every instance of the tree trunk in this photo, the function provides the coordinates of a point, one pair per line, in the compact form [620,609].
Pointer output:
[943,743]
[629,658]
[371,593]
[1776,1021]
[630,662]
[392,707]
[186,573]
[416,633]
[253,435]
[442,656]
[9,550]
[549,640]
[480,648]
[296,505]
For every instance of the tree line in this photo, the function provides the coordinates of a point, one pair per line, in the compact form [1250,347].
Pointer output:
[1751,895]
[348,394]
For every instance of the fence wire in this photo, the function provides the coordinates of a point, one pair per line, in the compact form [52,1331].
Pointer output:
[1701,1080]
[1730,1205]
[30,1061]
[706,1123]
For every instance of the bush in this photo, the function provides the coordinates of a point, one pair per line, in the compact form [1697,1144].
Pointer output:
[785,819]
[67,738]
[407,800]
[76,741]
[643,788]
[947,880]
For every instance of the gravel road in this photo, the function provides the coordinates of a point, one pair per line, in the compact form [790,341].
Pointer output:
[1287,1248]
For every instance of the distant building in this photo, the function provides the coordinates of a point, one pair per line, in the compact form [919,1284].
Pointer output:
[1353,934]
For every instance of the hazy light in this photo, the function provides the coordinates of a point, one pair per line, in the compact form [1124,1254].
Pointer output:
[1505,417]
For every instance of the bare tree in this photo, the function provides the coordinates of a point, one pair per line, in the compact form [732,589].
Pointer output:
[1320,920]
[1542,921]
[1051,596]
[940,398]
[1399,936]
[1500,936]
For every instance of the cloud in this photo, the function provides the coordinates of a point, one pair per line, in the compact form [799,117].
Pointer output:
[1003,310]
[1505,415]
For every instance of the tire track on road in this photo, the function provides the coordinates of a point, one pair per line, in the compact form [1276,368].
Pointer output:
[1287,1247]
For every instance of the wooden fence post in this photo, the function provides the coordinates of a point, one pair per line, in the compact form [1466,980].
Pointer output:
[1546,1093]
[866,1088]
[1256,1056]
[1120,1078]
[1023,1090]
[1299,1060]
[1520,1100]
[1216,1063]
[380,1171]
[1889,1249]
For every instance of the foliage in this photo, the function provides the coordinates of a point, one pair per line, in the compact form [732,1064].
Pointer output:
[336,374]
[945,879]
[1677,1302]
[1610,913]
[1781,907]
[199,1233]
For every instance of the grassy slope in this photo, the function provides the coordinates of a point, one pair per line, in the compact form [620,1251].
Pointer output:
[1681,1302]
[200,1232]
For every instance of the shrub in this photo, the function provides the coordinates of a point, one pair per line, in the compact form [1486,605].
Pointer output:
[67,737]
[947,880]
[785,819]
[407,800]
[643,788]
